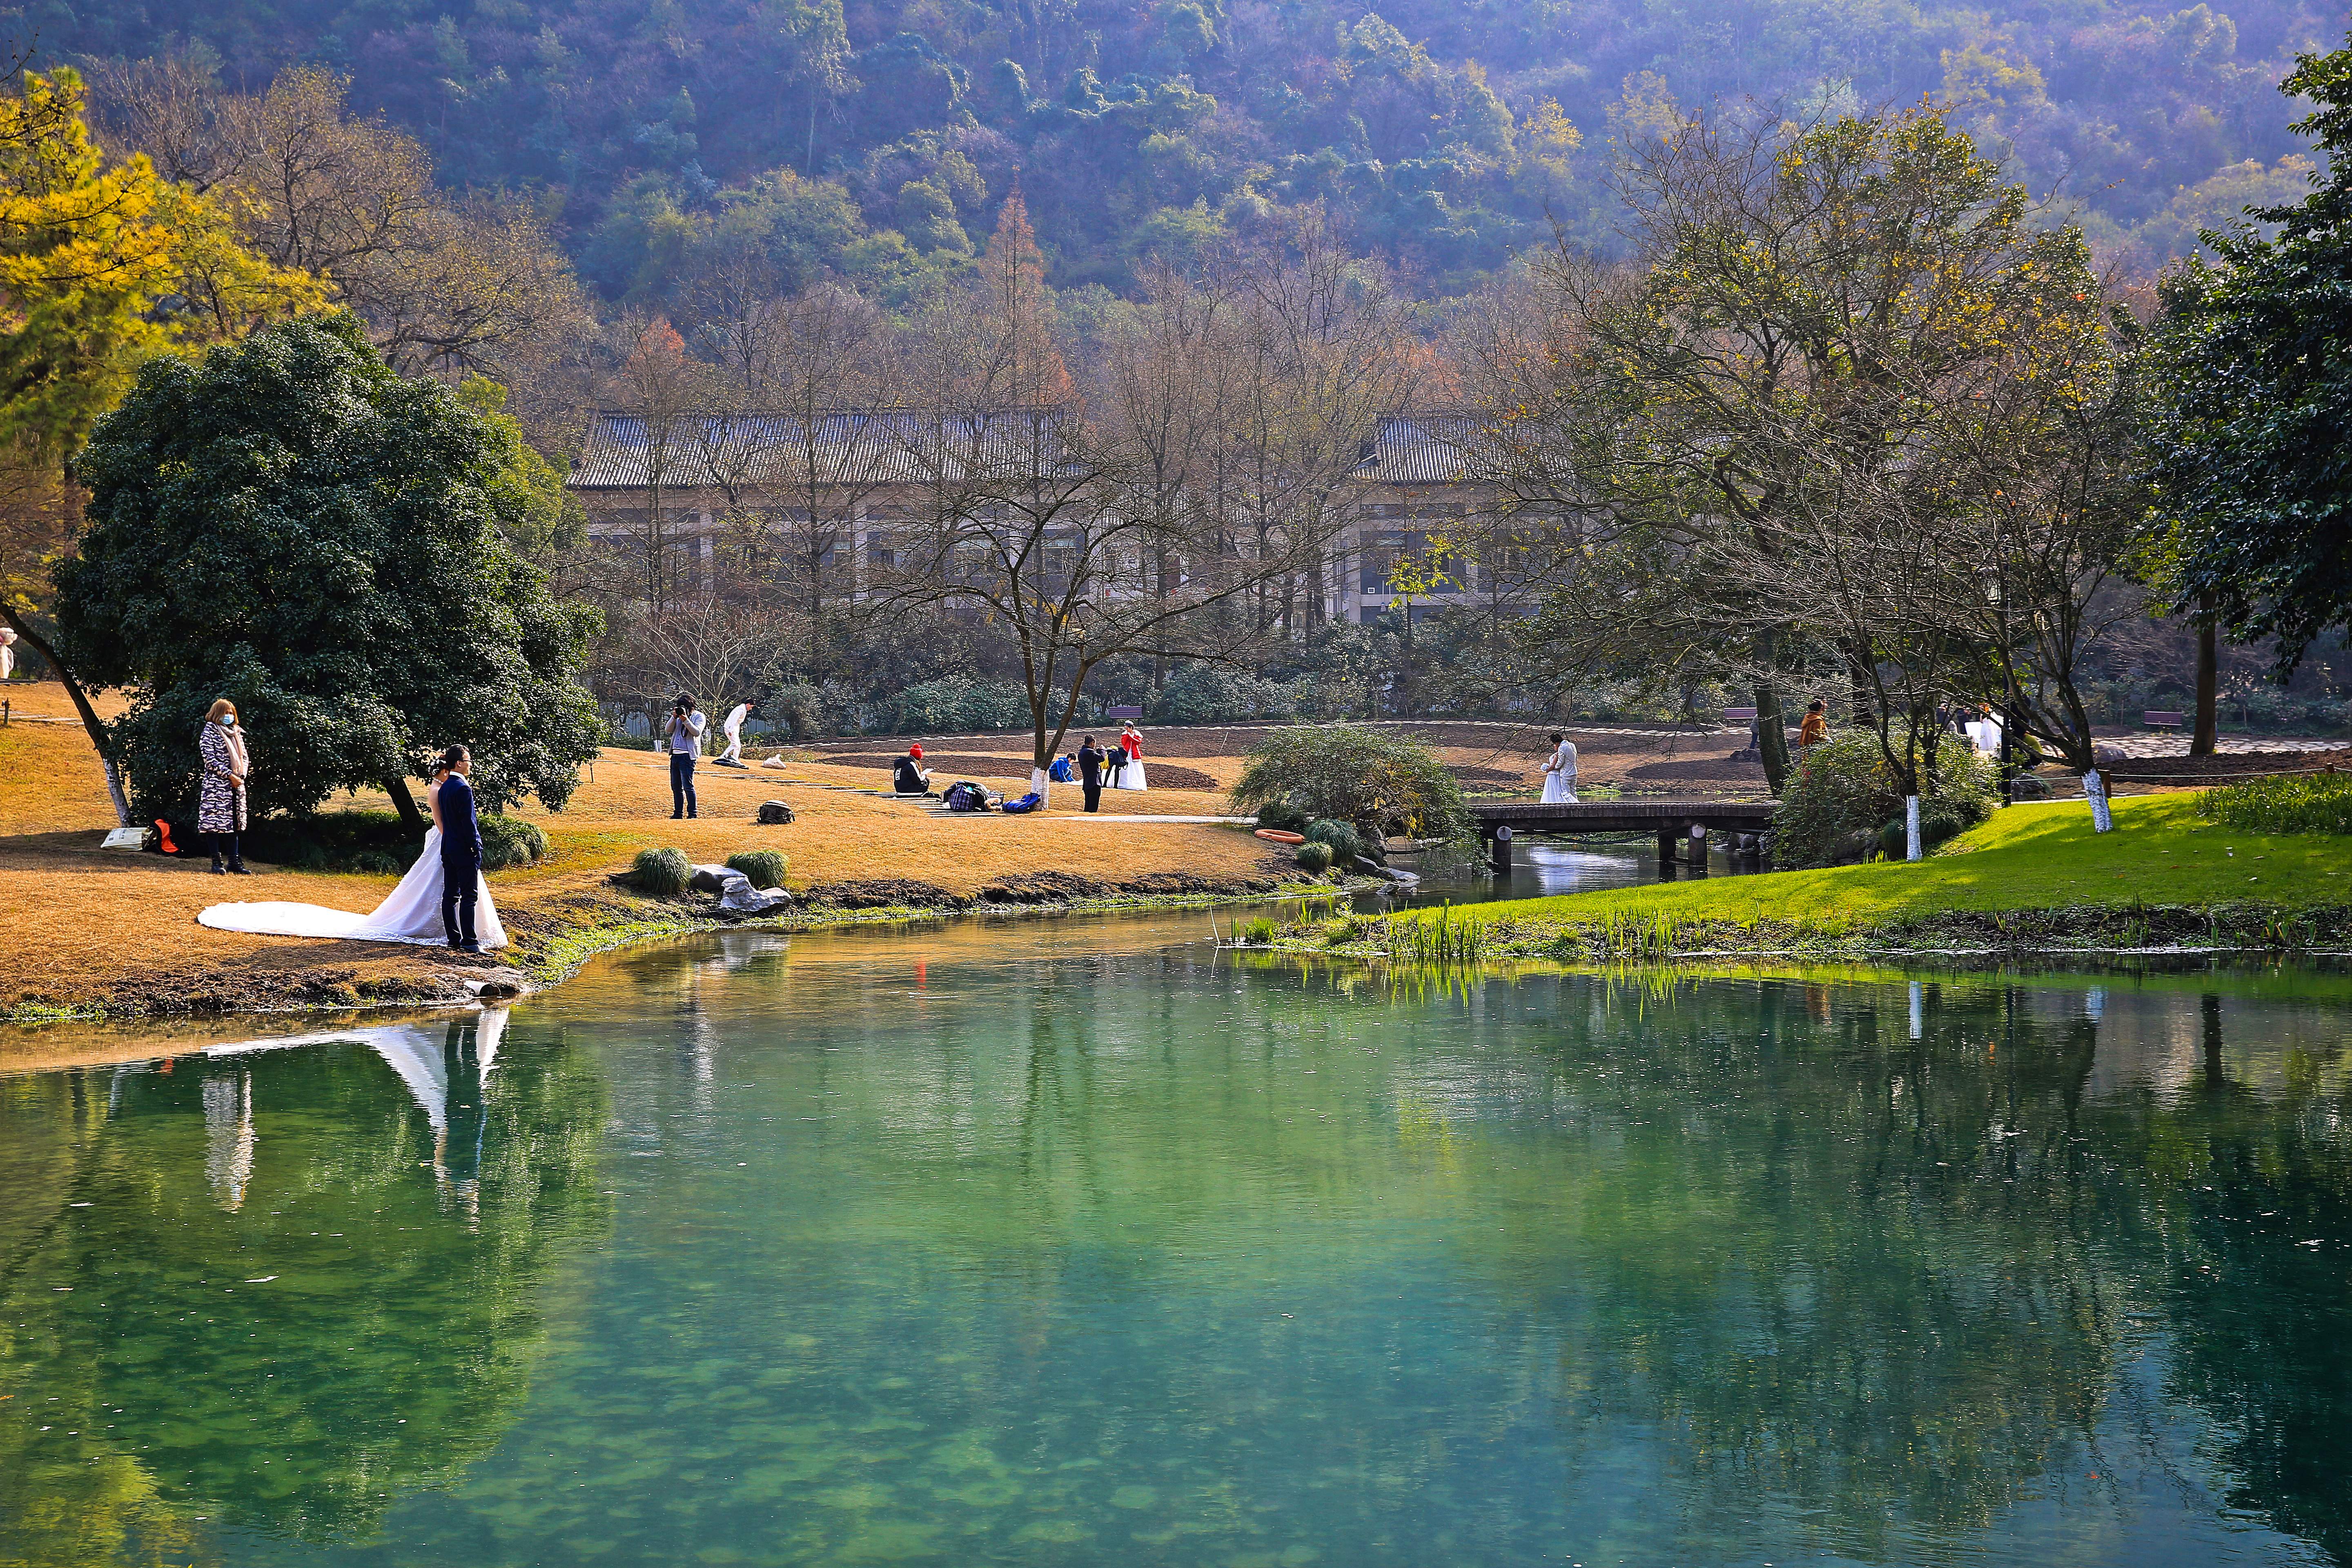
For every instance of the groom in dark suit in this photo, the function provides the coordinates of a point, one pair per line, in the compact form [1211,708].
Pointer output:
[461,852]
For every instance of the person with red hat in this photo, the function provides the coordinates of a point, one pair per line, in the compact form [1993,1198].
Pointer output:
[909,776]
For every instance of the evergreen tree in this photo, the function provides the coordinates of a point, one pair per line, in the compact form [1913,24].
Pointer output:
[2250,426]
[291,526]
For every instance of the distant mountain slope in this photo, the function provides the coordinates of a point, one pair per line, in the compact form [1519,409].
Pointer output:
[679,138]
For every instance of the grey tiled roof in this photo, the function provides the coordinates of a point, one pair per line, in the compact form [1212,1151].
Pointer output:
[852,447]
[889,447]
[1421,449]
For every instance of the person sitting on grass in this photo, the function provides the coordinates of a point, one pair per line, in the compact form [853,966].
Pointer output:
[908,774]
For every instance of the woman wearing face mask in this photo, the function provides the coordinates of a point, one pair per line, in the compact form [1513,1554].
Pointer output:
[220,803]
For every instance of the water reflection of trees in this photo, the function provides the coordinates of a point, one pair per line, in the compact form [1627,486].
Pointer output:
[1888,1282]
[276,1290]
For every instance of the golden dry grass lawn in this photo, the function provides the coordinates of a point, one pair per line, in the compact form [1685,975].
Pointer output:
[89,928]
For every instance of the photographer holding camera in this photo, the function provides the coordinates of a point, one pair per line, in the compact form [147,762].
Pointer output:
[684,736]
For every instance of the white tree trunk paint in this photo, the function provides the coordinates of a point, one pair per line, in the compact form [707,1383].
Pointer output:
[1910,828]
[2094,789]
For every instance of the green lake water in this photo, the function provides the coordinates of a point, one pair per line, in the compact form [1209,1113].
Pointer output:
[1075,1242]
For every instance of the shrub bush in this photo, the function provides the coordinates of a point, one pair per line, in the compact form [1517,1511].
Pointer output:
[664,873]
[803,712]
[1282,816]
[954,704]
[510,841]
[1210,694]
[764,867]
[1939,824]
[1347,846]
[1384,781]
[377,861]
[1315,857]
[1845,787]
[2301,803]
[330,840]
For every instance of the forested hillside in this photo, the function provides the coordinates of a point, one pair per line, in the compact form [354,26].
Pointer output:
[665,140]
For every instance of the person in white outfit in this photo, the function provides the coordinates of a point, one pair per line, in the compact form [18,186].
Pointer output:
[1559,772]
[1130,776]
[412,914]
[732,727]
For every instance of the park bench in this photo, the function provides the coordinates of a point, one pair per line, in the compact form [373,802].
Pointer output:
[1740,715]
[1122,713]
[2158,719]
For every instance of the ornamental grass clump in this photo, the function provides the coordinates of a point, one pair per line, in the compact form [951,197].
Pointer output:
[664,873]
[510,841]
[2296,802]
[1346,845]
[1315,857]
[764,867]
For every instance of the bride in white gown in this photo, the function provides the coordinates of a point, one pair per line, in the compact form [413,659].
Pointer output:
[412,914]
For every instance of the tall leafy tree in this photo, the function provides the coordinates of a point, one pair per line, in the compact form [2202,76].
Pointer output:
[290,525]
[2251,429]
[1771,433]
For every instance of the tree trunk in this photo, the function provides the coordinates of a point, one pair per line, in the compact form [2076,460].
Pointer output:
[1772,735]
[89,720]
[2209,681]
[411,818]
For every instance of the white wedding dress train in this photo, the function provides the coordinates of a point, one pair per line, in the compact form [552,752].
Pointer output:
[412,914]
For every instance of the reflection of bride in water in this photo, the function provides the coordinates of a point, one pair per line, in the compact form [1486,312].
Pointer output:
[412,914]
[445,1064]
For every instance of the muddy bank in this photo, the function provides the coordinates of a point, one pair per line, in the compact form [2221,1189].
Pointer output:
[551,937]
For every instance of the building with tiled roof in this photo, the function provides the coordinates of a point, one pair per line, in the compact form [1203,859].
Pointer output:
[1419,478]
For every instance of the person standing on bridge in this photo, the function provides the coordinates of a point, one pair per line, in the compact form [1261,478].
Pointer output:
[1559,772]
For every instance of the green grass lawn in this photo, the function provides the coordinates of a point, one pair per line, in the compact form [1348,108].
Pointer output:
[2037,858]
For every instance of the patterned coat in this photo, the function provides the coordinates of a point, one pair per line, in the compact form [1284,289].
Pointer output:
[220,802]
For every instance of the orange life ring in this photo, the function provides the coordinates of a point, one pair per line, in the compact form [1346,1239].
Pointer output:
[1276,836]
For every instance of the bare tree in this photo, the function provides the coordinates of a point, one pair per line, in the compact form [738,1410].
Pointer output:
[661,393]
[1050,514]
[445,283]
[707,646]
[798,451]
[1323,344]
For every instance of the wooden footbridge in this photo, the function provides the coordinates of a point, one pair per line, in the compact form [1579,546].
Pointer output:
[1675,822]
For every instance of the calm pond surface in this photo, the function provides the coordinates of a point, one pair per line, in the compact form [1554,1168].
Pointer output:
[1074,1242]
